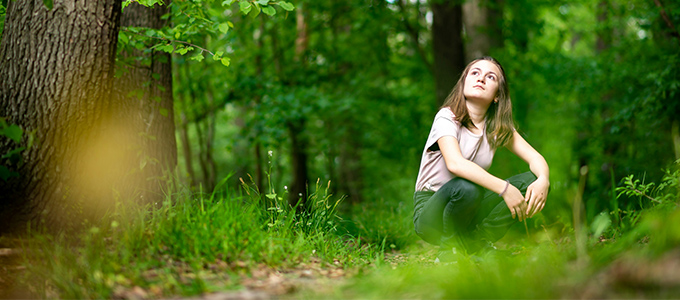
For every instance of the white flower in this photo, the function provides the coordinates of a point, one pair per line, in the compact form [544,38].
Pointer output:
[270,153]
[285,187]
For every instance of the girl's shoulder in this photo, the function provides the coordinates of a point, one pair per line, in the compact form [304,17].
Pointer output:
[447,113]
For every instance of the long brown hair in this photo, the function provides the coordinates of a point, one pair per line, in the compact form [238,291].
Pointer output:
[499,122]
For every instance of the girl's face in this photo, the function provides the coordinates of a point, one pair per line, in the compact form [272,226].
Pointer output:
[481,82]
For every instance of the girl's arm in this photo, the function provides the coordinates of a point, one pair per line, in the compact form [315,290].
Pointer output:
[464,168]
[537,192]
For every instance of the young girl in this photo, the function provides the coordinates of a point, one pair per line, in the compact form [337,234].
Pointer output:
[458,204]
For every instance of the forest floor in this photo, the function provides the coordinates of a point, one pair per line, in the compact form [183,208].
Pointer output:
[314,277]
[624,277]
[305,280]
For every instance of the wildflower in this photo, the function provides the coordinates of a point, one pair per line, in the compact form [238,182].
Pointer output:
[270,153]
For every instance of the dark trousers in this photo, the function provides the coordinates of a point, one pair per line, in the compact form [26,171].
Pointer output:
[464,214]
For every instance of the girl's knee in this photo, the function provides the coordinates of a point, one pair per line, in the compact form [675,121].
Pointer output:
[522,181]
[466,190]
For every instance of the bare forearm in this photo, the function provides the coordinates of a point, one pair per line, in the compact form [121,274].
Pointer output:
[539,167]
[471,171]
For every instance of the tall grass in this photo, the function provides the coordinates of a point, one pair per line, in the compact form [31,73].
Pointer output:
[188,245]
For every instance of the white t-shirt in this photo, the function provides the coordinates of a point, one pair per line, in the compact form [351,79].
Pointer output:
[474,147]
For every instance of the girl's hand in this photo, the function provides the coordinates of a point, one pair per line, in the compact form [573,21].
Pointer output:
[515,201]
[537,193]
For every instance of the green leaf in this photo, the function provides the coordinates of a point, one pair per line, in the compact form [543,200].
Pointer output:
[286,5]
[5,173]
[13,132]
[245,7]
[166,48]
[230,24]
[225,61]
[262,2]
[271,196]
[228,2]
[183,51]
[269,10]
[123,38]
[198,57]
[224,27]
[49,4]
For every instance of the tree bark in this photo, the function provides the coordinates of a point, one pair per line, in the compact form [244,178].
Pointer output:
[57,68]
[143,96]
[447,42]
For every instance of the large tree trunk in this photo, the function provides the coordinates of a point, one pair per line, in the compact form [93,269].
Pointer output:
[447,41]
[56,68]
[143,99]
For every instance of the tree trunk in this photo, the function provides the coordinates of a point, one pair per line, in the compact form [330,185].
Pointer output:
[186,149]
[604,33]
[675,135]
[57,69]
[143,96]
[299,143]
[447,42]
[483,27]
[351,173]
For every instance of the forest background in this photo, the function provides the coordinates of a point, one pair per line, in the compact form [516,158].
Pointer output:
[289,101]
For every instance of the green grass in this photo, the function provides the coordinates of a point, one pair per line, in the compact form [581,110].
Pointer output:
[190,245]
[193,243]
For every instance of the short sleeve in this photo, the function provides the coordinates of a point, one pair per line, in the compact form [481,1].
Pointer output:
[443,125]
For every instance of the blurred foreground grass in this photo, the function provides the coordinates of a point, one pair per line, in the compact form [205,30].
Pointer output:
[195,243]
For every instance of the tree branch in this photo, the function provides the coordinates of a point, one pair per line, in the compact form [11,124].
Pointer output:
[414,36]
[169,40]
[664,16]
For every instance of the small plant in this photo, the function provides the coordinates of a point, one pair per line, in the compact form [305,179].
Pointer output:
[666,192]
[320,216]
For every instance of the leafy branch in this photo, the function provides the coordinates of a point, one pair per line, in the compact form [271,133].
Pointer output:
[197,14]
[169,46]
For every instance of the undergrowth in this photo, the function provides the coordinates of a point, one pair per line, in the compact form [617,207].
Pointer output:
[194,243]
[189,245]
[629,253]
